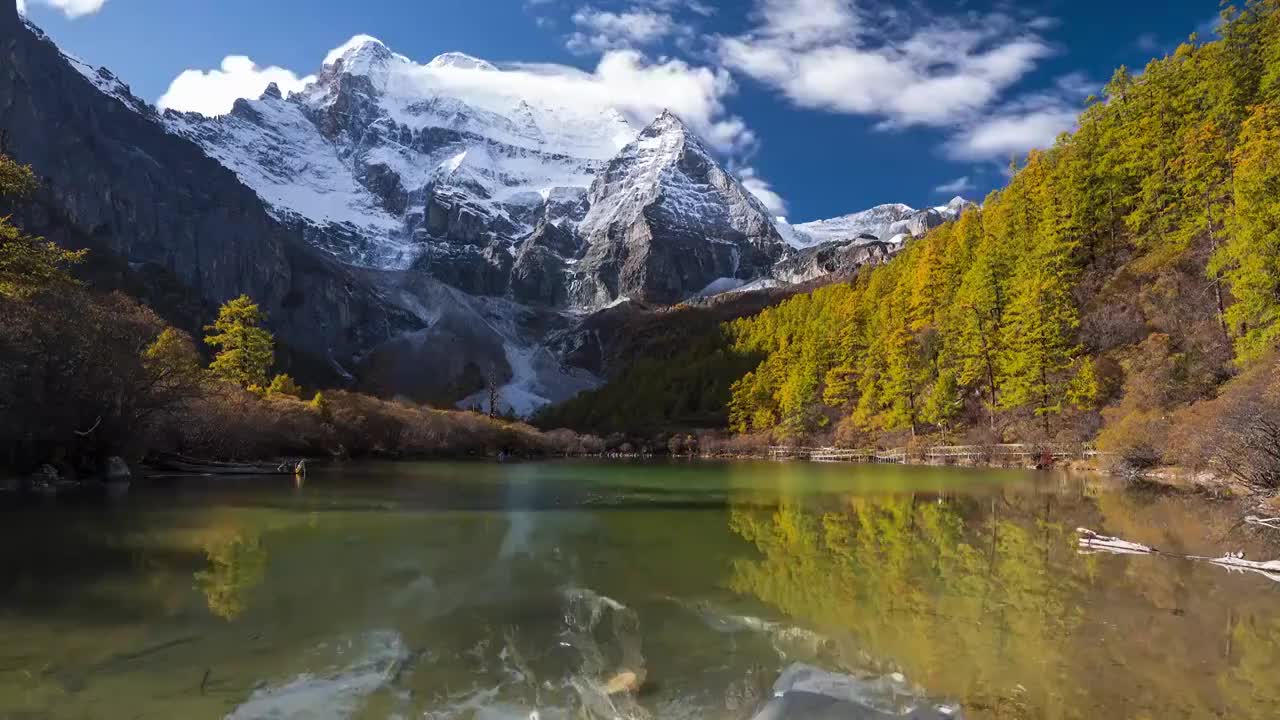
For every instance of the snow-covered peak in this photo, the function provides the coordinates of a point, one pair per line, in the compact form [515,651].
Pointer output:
[665,136]
[891,223]
[359,48]
[514,106]
[667,122]
[954,208]
[635,176]
[873,223]
[664,197]
[460,61]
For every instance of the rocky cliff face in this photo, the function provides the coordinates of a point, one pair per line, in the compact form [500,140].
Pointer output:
[666,220]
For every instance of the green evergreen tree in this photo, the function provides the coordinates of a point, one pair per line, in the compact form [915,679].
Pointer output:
[1250,259]
[245,348]
[28,264]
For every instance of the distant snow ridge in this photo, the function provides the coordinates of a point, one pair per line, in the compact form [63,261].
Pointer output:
[886,223]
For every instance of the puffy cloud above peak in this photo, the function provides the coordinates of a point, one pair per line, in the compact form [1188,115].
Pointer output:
[70,8]
[640,89]
[214,92]
[957,186]
[835,55]
[623,81]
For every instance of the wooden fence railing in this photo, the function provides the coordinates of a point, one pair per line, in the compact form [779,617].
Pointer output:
[1025,453]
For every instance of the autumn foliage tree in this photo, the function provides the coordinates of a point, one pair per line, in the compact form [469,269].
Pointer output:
[1159,217]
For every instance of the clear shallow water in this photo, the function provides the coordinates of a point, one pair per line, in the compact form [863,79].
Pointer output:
[483,592]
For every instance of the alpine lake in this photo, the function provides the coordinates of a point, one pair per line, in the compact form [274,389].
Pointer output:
[665,590]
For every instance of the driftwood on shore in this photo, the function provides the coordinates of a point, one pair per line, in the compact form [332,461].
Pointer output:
[193,466]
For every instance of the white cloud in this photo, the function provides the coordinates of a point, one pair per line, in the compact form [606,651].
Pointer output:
[70,8]
[623,80]
[696,7]
[834,55]
[1033,120]
[1012,134]
[604,30]
[955,187]
[760,187]
[214,92]
[801,22]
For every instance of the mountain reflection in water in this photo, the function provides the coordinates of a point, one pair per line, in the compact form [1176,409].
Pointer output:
[722,591]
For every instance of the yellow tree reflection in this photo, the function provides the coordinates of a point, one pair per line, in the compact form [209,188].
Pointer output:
[977,611]
[237,564]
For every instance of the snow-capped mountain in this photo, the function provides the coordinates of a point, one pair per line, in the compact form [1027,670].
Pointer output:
[393,215]
[394,164]
[439,168]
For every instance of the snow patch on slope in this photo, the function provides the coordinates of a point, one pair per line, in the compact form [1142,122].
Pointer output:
[273,147]
[538,377]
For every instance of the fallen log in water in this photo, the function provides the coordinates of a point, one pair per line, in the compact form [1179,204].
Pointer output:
[1092,542]
[192,466]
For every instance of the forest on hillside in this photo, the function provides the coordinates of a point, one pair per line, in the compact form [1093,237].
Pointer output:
[1109,290]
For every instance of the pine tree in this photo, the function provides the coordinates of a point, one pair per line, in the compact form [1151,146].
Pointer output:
[246,349]
[1041,318]
[1037,346]
[28,264]
[1250,259]
[284,385]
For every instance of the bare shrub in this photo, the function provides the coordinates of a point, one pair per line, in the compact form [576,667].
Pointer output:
[1237,433]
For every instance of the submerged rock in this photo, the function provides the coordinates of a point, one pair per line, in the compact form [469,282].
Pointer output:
[339,693]
[805,692]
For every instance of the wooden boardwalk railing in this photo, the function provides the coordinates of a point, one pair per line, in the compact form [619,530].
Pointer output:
[1024,453]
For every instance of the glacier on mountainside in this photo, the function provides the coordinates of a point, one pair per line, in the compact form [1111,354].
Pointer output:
[394,156]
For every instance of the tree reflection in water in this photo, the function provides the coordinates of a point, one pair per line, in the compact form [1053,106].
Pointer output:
[237,564]
[988,602]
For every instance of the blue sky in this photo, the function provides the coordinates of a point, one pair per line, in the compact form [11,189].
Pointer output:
[823,106]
